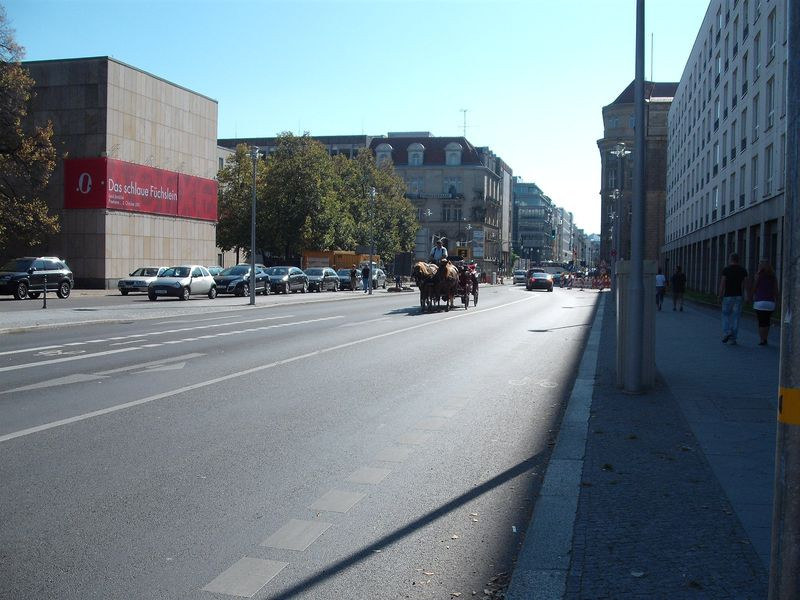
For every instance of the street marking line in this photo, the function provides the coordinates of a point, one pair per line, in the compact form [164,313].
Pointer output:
[369,475]
[134,336]
[296,535]
[245,577]
[209,382]
[789,405]
[394,454]
[339,501]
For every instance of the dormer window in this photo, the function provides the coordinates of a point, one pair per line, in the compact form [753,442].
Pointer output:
[416,154]
[452,154]
[383,154]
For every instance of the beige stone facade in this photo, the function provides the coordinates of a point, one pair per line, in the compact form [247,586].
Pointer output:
[101,107]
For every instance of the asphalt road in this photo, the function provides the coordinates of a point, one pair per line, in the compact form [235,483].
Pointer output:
[346,448]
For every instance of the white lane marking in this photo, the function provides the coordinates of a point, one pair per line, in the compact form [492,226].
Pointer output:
[357,323]
[135,336]
[245,577]
[152,363]
[118,350]
[216,380]
[69,379]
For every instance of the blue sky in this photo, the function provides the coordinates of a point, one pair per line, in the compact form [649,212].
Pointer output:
[532,74]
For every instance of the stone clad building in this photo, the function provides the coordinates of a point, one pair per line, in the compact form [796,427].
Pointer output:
[134,182]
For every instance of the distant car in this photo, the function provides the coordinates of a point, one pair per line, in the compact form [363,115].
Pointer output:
[25,277]
[378,279]
[322,278]
[215,270]
[539,280]
[236,280]
[287,279]
[520,277]
[181,282]
[139,280]
[344,279]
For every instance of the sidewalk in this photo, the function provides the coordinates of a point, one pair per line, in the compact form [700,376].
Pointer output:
[670,494]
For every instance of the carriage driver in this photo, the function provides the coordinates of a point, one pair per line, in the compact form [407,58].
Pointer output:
[438,253]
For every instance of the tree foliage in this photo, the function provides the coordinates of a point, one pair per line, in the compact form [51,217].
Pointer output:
[27,155]
[308,200]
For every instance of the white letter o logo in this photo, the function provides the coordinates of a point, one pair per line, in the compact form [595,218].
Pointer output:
[85,183]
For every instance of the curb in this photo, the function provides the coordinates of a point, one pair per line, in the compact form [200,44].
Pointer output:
[543,563]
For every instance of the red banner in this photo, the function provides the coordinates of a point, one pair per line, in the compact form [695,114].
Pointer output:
[118,185]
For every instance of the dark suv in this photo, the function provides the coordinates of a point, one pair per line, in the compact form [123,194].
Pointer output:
[25,277]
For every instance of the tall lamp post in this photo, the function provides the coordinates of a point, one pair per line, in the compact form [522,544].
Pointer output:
[371,236]
[254,156]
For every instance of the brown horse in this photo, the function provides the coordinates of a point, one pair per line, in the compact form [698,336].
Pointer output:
[446,279]
[423,274]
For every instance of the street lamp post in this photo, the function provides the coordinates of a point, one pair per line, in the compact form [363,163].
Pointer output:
[254,156]
[371,236]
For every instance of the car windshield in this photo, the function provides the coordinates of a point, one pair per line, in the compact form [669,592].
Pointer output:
[146,272]
[237,270]
[17,264]
[176,272]
[278,271]
[343,272]
[314,272]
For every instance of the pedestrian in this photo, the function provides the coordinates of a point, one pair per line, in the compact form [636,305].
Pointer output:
[732,293]
[353,278]
[765,296]
[678,283]
[365,278]
[661,286]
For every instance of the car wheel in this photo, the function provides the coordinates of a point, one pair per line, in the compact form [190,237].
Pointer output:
[287,288]
[64,289]
[212,293]
[304,289]
[21,291]
[152,296]
[124,292]
[335,287]
[185,293]
[551,289]
[245,290]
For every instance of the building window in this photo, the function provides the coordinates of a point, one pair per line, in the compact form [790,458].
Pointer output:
[768,170]
[770,103]
[742,185]
[771,36]
[383,154]
[732,198]
[782,178]
[446,212]
[715,203]
[754,177]
[755,117]
[453,152]
[221,163]
[416,154]
[756,56]
[415,185]
[451,185]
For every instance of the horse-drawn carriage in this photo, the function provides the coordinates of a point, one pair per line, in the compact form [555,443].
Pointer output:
[444,281]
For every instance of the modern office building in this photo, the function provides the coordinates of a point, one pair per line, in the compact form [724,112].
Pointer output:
[533,232]
[134,183]
[616,159]
[348,145]
[727,143]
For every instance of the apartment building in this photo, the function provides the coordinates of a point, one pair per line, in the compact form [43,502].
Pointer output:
[726,161]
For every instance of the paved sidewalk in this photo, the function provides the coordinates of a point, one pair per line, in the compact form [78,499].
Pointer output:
[674,499]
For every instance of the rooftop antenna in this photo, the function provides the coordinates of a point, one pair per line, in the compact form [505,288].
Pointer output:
[464,110]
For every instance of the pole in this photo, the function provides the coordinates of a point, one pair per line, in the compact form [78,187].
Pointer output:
[635,312]
[254,156]
[371,237]
[784,573]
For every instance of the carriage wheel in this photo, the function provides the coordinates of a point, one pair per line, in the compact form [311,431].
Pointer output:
[475,297]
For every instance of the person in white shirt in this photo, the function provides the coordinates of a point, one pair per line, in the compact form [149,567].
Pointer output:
[438,253]
[661,286]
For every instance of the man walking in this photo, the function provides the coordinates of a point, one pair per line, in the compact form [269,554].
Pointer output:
[365,278]
[678,282]
[732,293]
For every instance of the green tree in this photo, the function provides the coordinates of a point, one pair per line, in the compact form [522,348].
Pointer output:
[302,204]
[235,199]
[27,155]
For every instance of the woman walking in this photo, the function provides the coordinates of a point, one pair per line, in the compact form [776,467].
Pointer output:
[765,296]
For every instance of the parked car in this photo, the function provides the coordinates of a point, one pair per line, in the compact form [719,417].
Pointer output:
[323,278]
[25,277]
[287,279]
[236,280]
[539,280]
[378,279]
[139,280]
[344,279]
[181,282]
[215,270]
[520,277]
